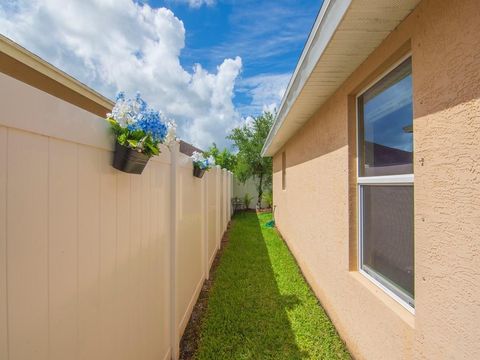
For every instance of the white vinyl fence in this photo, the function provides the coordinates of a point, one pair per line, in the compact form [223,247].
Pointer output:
[249,187]
[96,263]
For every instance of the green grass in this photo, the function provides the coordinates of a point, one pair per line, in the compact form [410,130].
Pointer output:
[260,306]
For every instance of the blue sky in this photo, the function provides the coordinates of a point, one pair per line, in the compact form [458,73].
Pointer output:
[207,64]
[268,35]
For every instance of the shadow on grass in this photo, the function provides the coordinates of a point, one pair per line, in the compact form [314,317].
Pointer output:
[246,316]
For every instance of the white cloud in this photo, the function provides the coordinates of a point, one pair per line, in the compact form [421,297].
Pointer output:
[249,121]
[121,45]
[266,92]
[197,3]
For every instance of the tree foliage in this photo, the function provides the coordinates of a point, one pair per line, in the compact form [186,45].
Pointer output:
[249,140]
[226,159]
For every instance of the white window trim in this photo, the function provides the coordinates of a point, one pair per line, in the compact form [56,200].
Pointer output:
[389,292]
[404,179]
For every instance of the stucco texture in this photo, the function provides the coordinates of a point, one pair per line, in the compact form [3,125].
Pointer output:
[316,213]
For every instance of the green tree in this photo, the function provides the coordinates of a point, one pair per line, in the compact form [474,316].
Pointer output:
[249,140]
[226,159]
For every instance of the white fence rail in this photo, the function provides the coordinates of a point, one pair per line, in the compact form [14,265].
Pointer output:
[95,263]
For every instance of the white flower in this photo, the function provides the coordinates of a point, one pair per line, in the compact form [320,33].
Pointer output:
[197,157]
[171,132]
[211,161]
[125,112]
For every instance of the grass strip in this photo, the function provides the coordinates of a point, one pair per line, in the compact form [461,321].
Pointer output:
[260,306]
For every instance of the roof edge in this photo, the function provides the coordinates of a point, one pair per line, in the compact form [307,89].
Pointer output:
[26,58]
[328,19]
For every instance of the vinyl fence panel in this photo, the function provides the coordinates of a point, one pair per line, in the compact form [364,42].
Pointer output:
[93,260]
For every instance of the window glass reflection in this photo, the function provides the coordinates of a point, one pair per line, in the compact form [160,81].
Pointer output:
[386,125]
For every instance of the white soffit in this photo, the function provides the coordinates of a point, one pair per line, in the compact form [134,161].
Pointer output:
[344,34]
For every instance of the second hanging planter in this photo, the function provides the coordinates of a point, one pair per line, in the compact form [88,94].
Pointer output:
[201,163]
[197,172]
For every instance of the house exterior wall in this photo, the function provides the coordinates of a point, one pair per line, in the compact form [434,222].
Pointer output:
[317,212]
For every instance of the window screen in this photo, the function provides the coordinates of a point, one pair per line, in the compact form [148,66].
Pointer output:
[388,234]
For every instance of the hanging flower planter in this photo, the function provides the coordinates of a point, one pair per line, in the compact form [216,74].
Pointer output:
[201,164]
[129,160]
[197,172]
[139,130]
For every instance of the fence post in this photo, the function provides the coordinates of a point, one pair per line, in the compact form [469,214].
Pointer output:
[229,213]
[230,177]
[222,174]
[174,340]
[225,198]
[205,220]
[218,198]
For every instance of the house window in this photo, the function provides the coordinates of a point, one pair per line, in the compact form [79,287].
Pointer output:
[284,170]
[385,183]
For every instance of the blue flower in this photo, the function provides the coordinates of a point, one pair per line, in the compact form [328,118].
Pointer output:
[135,115]
[142,104]
[201,162]
[150,122]
[120,96]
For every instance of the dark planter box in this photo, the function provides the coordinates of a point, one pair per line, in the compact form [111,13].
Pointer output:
[129,160]
[197,172]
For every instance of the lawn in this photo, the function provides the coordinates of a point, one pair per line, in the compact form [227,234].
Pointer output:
[260,306]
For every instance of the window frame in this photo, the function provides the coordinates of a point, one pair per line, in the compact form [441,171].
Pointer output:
[284,170]
[390,180]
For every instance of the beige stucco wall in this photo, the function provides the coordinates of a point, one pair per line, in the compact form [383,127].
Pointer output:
[316,213]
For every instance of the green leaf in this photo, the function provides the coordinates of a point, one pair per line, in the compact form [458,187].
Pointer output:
[137,135]
[122,139]
[132,143]
[152,148]
[116,128]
